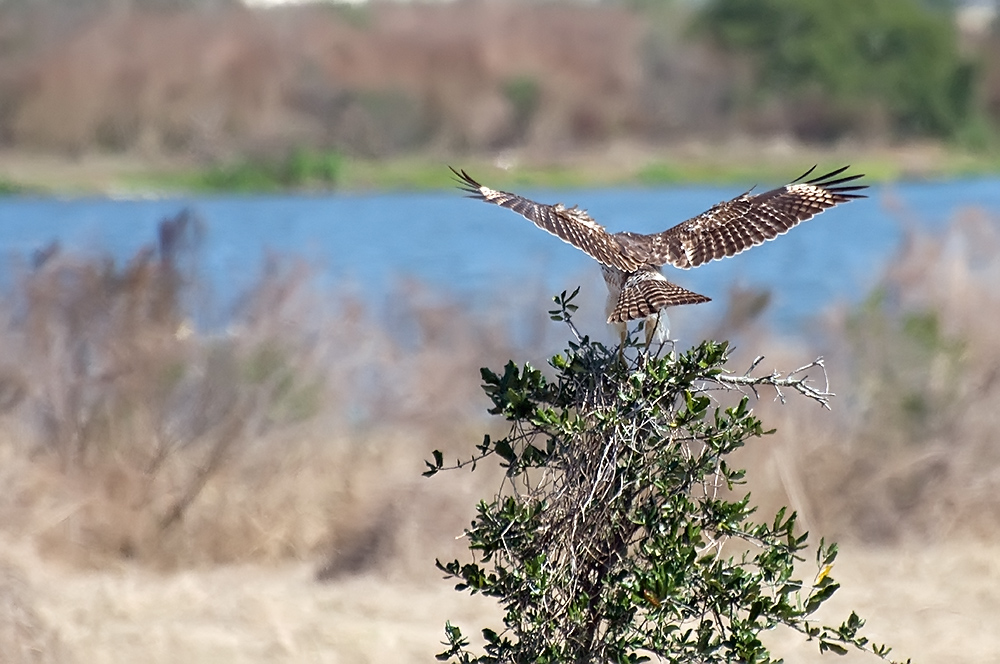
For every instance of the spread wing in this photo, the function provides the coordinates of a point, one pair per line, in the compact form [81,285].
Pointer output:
[746,221]
[571,225]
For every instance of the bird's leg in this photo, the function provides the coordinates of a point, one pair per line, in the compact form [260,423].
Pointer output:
[649,327]
[622,329]
[657,325]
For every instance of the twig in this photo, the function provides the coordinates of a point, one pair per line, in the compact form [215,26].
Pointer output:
[797,380]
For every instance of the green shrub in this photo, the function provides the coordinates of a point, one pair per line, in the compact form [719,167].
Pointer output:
[301,169]
[8,187]
[618,533]
[525,96]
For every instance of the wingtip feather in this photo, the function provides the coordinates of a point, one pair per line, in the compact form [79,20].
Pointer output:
[467,183]
[798,179]
[837,185]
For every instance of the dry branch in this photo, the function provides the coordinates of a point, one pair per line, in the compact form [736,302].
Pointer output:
[797,379]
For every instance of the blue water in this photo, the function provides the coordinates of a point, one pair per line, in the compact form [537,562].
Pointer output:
[469,249]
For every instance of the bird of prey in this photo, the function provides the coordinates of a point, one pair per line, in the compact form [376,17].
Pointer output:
[632,262]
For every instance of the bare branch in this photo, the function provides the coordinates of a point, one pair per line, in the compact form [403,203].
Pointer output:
[797,380]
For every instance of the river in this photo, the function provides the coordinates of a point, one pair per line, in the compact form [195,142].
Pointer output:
[471,251]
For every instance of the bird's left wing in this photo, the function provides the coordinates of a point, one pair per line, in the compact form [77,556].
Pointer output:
[745,221]
[571,225]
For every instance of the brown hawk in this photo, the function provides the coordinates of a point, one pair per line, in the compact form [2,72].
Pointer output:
[631,262]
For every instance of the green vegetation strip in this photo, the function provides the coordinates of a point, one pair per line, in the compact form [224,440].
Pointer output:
[317,171]
[422,174]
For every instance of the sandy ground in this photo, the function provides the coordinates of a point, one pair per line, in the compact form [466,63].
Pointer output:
[934,603]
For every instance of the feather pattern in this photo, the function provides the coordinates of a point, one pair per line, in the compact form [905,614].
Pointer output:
[572,225]
[731,227]
[646,292]
[632,261]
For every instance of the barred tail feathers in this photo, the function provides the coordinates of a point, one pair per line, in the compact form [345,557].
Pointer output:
[646,292]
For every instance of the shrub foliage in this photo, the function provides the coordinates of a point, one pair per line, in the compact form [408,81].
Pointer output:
[619,533]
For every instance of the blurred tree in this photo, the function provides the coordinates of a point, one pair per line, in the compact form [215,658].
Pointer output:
[894,58]
[524,94]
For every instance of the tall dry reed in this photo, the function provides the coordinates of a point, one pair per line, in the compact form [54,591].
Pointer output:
[299,432]
[910,449]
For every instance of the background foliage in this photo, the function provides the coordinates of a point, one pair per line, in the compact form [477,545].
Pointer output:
[899,59]
[219,83]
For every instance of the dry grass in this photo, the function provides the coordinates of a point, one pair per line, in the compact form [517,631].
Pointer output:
[292,444]
[910,450]
[25,636]
[935,603]
[299,431]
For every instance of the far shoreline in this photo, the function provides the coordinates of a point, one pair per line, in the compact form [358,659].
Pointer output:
[618,164]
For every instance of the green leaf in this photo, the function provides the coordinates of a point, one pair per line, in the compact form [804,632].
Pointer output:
[824,593]
[504,449]
[832,647]
[433,468]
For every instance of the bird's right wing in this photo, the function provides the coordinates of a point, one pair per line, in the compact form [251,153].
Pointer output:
[571,225]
